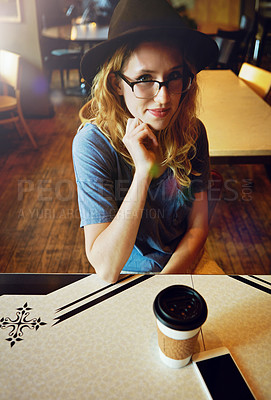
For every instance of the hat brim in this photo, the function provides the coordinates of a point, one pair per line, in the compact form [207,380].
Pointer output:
[200,49]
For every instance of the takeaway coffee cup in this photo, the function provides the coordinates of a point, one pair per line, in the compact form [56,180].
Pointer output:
[180,311]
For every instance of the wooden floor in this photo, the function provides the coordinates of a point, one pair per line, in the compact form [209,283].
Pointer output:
[39,213]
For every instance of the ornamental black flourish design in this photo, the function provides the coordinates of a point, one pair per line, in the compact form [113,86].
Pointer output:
[19,323]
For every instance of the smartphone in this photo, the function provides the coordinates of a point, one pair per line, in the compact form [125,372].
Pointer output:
[220,376]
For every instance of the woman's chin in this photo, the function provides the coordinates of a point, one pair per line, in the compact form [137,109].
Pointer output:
[157,126]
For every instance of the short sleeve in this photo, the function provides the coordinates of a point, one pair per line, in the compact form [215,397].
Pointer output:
[93,161]
[201,162]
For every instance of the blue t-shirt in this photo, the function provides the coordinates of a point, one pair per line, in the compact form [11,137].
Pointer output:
[103,178]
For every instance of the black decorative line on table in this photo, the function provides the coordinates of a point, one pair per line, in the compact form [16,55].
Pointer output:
[19,323]
[91,294]
[251,283]
[260,279]
[98,300]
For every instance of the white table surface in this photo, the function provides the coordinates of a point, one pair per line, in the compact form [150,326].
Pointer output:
[109,350]
[237,120]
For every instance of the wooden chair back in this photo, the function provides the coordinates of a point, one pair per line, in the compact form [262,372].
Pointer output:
[226,51]
[257,78]
[10,68]
[10,105]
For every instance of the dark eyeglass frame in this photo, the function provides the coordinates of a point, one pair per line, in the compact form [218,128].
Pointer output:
[161,84]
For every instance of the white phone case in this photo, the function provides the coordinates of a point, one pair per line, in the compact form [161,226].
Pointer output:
[213,354]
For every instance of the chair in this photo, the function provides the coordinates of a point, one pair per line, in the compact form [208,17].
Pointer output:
[214,192]
[257,78]
[241,38]
[249,24]
[236,52]
[10,105]
[63,60]
[57,54]
[262,34]
[226,52]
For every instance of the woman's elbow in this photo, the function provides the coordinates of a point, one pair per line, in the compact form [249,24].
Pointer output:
[107,276]
[102,270]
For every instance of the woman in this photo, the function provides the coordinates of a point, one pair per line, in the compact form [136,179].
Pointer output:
[142,162]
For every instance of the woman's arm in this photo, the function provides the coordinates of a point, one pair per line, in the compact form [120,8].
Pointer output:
[109,245]
[193,240]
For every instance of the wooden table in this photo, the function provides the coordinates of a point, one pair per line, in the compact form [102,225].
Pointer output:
[87,33]
[237,120]
[99,341]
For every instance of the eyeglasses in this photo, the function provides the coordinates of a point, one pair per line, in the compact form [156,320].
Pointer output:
[149,88]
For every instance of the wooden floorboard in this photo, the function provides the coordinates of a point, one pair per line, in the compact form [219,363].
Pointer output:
[242,221]
[39,212]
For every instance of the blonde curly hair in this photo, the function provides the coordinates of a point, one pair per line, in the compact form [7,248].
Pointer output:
[109,113]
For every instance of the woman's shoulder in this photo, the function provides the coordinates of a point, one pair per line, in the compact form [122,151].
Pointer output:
[89,139]
[201,127]
[89,134]
[201,133]
[201,144]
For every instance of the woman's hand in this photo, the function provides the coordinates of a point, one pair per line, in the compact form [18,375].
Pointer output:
[142,145]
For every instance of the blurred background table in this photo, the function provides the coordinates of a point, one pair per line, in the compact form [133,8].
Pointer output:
[83,33]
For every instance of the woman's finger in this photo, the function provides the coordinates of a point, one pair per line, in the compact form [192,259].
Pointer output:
[144,135]
[139,130]
[132,123]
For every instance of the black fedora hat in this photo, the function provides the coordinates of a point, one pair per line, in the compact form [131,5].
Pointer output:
[139,18]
